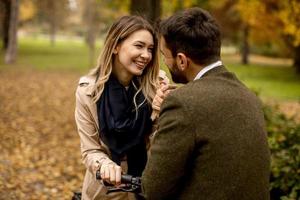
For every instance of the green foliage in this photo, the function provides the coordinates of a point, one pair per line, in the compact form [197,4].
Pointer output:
[284,142]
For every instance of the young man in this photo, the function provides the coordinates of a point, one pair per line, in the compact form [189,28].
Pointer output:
[211,142]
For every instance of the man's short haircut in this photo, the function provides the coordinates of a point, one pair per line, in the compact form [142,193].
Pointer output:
[193,32]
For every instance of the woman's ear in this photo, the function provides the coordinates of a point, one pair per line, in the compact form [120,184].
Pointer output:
[116,50]
[182,61]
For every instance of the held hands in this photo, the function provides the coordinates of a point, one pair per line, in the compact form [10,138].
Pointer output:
[109,171]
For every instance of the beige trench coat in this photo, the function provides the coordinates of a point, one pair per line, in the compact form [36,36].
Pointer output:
[92,148]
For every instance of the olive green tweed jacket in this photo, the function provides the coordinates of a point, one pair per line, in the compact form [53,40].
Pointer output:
[211,143]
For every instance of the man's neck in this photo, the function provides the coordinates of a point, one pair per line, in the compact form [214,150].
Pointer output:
[193,70]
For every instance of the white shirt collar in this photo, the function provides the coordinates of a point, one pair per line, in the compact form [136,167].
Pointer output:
[207,68]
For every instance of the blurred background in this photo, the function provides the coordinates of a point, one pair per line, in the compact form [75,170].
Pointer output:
[46,45]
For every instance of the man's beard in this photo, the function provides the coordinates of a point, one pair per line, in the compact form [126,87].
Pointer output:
[177,75]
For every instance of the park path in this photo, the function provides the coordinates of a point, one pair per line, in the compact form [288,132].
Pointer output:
[40,156]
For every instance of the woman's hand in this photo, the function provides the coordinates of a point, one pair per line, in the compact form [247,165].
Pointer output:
[110,172]
[161,94]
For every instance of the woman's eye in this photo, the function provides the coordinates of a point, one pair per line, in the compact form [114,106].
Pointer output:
[150,50]
[139,46]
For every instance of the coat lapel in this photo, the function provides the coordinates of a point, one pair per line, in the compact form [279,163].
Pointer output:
[92,105]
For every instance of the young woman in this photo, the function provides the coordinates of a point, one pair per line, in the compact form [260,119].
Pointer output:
[113,106]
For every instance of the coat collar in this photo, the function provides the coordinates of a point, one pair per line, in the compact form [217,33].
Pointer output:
[88,83]
[215,71]
[208,68]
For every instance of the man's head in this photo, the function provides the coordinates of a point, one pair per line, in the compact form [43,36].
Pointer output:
[189,36]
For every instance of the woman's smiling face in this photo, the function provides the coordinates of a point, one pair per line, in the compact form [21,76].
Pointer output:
[134,53]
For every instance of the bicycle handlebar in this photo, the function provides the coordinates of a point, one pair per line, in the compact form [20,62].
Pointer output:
[132,184]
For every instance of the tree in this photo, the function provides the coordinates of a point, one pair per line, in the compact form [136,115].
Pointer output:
[97,16]
[245,44]
[237,19]
[5,7]
[297,58]
[260,22]
[54,13]
[150,9]
[27,10]
[90,18]
[178,5]
[11,51]
[155,8]
[171,6]
[228,18]
[248,20]
[274,21]
[289,16]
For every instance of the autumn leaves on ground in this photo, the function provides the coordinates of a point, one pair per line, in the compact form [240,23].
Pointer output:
[40,154]
[40,149]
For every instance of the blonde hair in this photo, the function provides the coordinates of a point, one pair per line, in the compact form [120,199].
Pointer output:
[118,32]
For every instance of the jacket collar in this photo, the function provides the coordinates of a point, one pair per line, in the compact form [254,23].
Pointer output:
[89,89]
[215,71]
[208,68]
[88,82]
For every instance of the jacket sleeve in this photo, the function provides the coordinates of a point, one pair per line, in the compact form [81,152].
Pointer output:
[91,149]
[169,152]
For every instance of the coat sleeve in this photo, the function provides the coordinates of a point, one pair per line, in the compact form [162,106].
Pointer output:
[91,149]
[171,148]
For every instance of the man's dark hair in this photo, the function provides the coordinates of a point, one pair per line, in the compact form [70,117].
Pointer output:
[193,32]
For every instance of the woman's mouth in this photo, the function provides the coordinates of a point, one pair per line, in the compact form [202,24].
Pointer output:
[140,65]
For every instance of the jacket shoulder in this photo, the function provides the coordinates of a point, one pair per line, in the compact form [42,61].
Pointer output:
[86,85]
[86,80]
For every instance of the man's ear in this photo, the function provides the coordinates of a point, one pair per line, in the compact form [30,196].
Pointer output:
[182,61]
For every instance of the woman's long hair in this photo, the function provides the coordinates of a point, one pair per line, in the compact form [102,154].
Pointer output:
[119,31]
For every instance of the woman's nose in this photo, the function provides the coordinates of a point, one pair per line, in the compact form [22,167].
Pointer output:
[146,54]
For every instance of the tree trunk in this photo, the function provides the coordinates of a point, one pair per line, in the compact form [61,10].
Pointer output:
[52,31]
[155,10]
[245,45]
[138,7]
[52,22]
[150,9]
[90,37]
[6,20]
[297,59]
[11,52]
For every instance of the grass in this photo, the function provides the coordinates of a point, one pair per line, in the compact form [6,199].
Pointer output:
[64,55]
[277,82]
[280,82]
[271,82]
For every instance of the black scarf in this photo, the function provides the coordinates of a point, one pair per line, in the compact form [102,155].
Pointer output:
[120,128]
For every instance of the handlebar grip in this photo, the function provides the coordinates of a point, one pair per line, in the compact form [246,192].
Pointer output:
[125,178]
